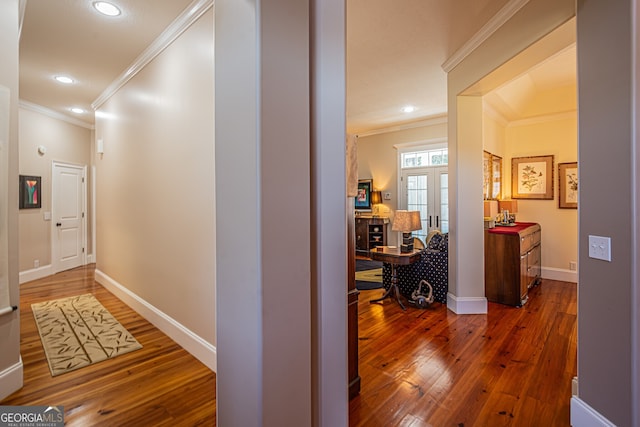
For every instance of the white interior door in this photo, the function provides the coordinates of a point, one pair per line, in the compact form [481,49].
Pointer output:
[427,190]
[68,207]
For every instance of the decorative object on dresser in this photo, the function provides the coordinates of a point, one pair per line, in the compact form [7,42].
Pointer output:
[508,209]
[433,266]
[568,185]
[370,232]
[406,222]
[512,257]
[532,177]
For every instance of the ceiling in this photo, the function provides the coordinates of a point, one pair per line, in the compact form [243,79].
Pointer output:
[395,53]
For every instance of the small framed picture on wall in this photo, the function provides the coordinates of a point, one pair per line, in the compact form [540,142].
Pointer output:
[30,192]
[532,177]
[568,185]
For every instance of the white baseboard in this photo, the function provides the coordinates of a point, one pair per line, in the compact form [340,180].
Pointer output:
[35,273]
[11,379]
[583,415]
[467,305]
[198,347]
[559,274]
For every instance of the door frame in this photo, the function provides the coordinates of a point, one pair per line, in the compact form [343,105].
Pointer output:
[83,228]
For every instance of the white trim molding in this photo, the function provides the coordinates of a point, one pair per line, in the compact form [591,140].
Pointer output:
[198,347]
[583,415]
[467,305]
[429,121]
[26,105]
[11,379]
[498,20]
[35,273]
[190,15]
[561,274]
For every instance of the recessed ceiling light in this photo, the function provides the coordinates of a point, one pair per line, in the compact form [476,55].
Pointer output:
[77,110]
[408,109]
[64,79]
[106,8]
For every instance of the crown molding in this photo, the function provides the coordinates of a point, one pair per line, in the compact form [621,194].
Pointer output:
[430,121]
[498,20]
[26,105]
[190,15]
[544,118]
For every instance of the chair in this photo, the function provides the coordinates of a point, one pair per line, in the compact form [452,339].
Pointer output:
[417,243]
[433,266]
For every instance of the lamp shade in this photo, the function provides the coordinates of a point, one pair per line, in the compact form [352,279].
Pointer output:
[508,205]
[376,197]
[406,221]
[490,208]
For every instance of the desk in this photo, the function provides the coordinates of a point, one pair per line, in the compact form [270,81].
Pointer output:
[393,256]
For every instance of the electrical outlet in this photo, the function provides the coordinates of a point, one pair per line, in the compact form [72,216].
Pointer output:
[36,263]
[387,196]
[600,248]
[573,266]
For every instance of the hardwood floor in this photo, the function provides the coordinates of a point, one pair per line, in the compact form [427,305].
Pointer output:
[158,385]
[512,367]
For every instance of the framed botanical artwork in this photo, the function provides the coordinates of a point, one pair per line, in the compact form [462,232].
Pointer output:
[568,185]
[363,198]
[30,192]
[532,177]
[492,176]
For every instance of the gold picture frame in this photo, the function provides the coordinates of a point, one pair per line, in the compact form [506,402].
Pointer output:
[568,185]
[492,176]
[532,177]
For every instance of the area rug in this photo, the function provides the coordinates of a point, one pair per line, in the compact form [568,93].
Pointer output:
[368,274]
[79,331]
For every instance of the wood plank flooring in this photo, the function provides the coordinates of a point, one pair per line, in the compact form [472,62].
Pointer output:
[429,367]
[512,367]
[158,385]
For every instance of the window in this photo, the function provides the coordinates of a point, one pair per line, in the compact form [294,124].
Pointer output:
[419,159]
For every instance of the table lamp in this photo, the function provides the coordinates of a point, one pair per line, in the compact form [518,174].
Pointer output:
[406,222]
[376,199]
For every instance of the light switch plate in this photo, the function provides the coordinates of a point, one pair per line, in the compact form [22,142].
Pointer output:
[600,248]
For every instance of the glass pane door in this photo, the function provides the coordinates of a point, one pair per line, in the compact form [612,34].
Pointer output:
[427,190]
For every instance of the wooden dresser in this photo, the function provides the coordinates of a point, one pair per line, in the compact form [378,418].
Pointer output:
[512,257]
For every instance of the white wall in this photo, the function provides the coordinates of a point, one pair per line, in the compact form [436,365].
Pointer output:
[155,186]
[559,226]
[64,142]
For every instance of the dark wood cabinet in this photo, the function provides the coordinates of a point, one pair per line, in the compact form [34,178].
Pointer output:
[370,233]
[512,262]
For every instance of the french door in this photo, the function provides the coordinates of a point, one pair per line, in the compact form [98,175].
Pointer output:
[426,190]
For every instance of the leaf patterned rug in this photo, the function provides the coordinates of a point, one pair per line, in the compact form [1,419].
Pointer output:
[79,331]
